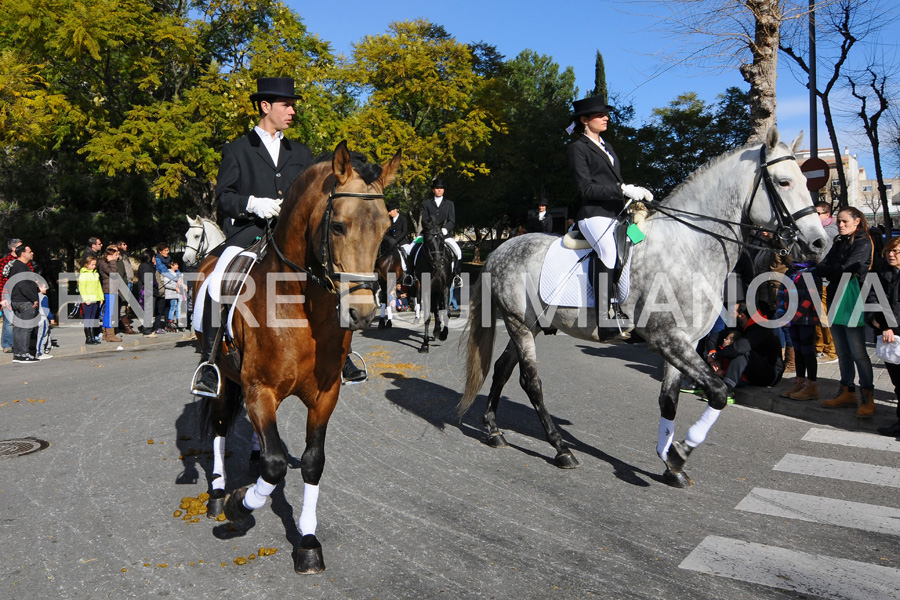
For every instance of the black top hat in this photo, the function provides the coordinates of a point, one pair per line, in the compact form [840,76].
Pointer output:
[437,182]
[274,87]
[392,205]
[543,202]
[590,106]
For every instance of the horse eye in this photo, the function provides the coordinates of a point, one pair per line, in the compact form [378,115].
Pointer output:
[337,228]
[785,183]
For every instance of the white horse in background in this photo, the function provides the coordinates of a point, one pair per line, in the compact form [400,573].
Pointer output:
[202,236]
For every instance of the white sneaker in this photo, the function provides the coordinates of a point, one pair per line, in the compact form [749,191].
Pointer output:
[44,356]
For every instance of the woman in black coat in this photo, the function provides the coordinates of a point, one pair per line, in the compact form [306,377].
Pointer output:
[851,253]
[886,322]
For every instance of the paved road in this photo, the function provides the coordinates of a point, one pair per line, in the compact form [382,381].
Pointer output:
[413,505]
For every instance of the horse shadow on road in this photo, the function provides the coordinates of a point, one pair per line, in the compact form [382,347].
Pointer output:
[436,404]
[411,338]
[637,356]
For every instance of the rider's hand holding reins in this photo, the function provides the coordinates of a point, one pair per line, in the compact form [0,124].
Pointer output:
[264,207]
[635,192]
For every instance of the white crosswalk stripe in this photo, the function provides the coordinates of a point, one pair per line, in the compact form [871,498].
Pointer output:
[839,469]
[803,572]
[824,576]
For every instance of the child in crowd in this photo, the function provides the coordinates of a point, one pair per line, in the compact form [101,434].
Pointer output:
[44,343]
[174,289]
[91,297]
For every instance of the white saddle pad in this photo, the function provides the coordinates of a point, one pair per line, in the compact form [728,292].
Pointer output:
[566,278]
[212,286]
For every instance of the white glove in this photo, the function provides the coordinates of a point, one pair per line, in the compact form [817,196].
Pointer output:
[264,207]
[633,192]
[444,231]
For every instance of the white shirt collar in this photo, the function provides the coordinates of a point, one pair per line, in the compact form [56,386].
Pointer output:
[438,200]
[271,142]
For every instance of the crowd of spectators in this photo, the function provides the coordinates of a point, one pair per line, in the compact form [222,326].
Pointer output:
[112,289]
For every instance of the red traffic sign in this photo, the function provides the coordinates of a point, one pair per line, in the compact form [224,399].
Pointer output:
[817,173]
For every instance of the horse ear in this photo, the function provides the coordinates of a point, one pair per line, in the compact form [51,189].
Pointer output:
[772,137]
[340,164]
[389,171]
[189,219]
[795,145]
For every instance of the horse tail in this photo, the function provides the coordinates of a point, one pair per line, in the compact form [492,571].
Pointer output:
[479,347]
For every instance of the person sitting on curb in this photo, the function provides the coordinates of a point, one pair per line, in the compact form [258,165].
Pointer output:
[752,357]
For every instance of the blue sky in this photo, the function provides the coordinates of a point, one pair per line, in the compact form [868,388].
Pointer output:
[628,42]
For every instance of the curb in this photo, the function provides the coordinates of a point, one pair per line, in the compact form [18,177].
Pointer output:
[769,399]
[70,347]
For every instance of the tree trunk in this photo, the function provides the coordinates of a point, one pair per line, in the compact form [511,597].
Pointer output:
[762,72]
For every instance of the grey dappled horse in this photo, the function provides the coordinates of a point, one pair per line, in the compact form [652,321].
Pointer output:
[202,236]
[692,243]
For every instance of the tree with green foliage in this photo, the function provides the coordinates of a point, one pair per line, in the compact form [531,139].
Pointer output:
[599,78]
[115,112]
[422,96]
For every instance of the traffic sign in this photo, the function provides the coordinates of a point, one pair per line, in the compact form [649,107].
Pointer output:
[817,173]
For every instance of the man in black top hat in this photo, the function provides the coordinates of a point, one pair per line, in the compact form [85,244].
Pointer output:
[442,212]
[540,222]
[398,231]
[254,176]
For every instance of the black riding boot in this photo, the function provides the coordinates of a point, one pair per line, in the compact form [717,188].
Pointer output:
[351,373]
[208,380]
[603,295]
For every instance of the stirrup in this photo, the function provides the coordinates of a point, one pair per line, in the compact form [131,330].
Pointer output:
[364,369]
[195,379]
[616,313]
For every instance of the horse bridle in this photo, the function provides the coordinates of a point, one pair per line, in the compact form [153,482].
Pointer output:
[786,232]
[364,281]
[200,243]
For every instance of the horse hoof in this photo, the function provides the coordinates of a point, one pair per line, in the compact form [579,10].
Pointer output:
[234,508]
[216,504]
[423,350]
[677,480]
[444,333]
[309,556]
[566,460]
[388,324]
[381,324]
[496,440]
[677,456]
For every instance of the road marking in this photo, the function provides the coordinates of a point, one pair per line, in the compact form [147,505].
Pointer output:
[852,438]
[839,469]
[816,574]
[828,511]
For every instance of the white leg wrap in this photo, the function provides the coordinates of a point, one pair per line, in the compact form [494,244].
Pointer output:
[308,512]
[219,462]
[390,313]
[254,441]
[697,433]
[257,494]
[666,435]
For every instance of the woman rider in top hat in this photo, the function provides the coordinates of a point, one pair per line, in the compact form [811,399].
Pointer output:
[601,188]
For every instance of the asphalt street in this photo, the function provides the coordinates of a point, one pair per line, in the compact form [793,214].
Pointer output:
[414,505]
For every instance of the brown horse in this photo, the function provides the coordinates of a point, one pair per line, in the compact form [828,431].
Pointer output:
[319,262]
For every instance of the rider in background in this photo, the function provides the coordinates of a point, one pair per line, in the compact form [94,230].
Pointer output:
[441,211]
[602,190]
[398,231]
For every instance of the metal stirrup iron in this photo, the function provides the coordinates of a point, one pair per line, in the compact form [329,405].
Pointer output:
[209,364]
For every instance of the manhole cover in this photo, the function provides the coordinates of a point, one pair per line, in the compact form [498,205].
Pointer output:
[21,447]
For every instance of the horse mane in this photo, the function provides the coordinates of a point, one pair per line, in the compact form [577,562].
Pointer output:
[701,171]
[369,172]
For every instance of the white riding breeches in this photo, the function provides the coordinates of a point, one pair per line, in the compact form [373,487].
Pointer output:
[451,243]
[599,232]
